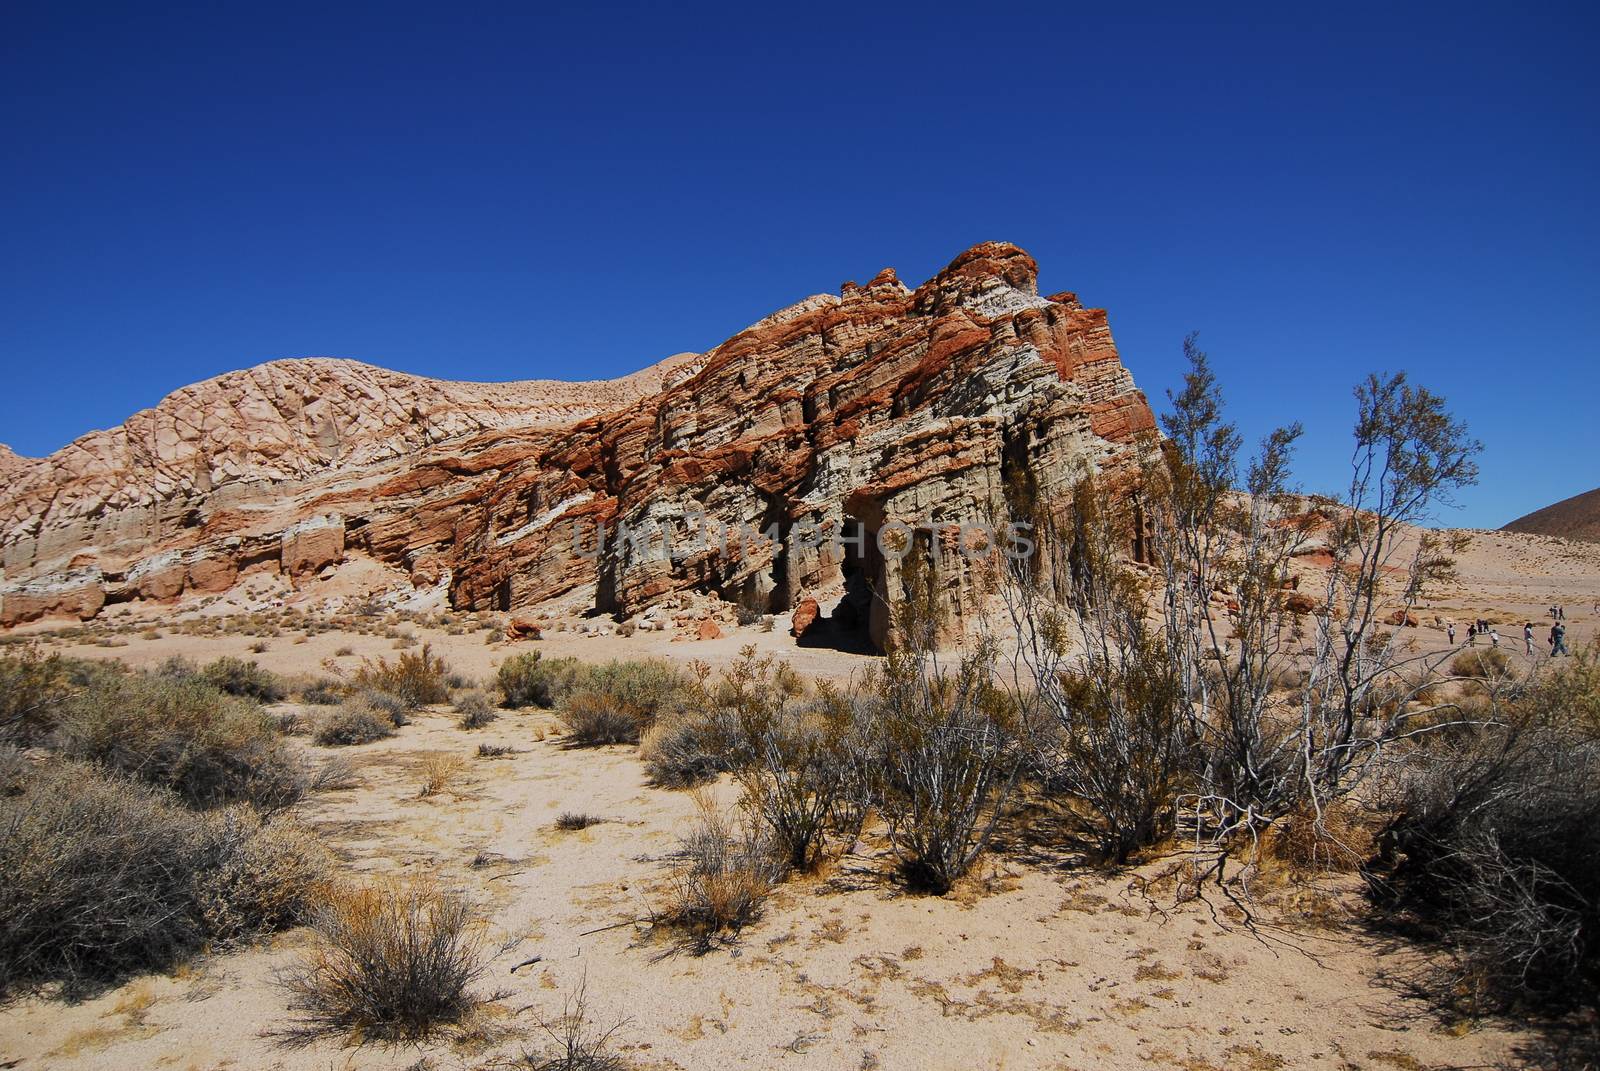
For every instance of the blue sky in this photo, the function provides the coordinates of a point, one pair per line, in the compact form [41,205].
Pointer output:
[507,191]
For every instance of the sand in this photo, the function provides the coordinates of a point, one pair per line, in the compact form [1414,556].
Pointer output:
[1035,961]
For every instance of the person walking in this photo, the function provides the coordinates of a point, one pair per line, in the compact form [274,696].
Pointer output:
[1494,637]
[1558,639]
[1472,634]
[1450,632]
[1527,636]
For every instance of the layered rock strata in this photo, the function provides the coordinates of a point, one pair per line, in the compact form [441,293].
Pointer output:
[847,425]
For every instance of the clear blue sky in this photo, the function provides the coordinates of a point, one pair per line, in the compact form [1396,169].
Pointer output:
[497,192]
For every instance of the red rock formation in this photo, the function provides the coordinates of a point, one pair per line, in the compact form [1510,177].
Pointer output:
[805,615]
[842,415]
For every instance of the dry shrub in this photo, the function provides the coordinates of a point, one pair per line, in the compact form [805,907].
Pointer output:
[1496,850]
[352,722]
[1338,840]
[208,747]
[32,685]
[1486,663]
[793,759]
[592,718]
[616,702]
[688,748]
[415,678]
[439,772]
[106,877]
[238,677]
[323,692]
[391,960]
[531,680]
[391,706]
[572,821]
[728,870]
[574,1042]
[944,754]
[475,709]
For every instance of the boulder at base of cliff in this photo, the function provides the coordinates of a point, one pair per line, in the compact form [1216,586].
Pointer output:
[805,615]
[708,630]
[521,628]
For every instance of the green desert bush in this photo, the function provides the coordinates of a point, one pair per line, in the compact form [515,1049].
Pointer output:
[391,960]
[944,754]
[238,677]
[355,721]
[107,877]
[530,680]
[793,759]
[418,678]
[32,686]
[616,702]
[208,747]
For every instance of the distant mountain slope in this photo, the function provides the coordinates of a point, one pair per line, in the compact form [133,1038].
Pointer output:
[1577,517]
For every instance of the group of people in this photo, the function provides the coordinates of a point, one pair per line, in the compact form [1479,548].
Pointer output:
[1481,627]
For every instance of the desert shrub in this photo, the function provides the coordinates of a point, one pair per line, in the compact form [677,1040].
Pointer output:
[1496,849]
[944,754]
[344,652]
[391,960]
[291,723]
[32,685]
[1121,751]
[531,680]
[494,751]
[1338,838]
[573,1041]
[396,708]
[627,628]
[728,870]
[238,677]
[182,734]
[416,678]
[352,722]
[323,692]
[792,759]
[593,718]
[1486,663]
[571,821]
[334,775]
[106,877]
[614,703]
[493,636]
[475,709]
[439,772]
[689,747]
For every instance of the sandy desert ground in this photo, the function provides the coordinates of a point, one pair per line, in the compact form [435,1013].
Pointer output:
[1035,961]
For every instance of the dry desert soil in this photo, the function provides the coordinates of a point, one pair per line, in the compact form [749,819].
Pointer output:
[1034,961]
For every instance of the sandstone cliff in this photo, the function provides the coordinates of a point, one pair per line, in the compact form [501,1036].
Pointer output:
[881,405]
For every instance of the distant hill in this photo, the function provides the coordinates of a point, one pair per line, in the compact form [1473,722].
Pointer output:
[1577,517]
